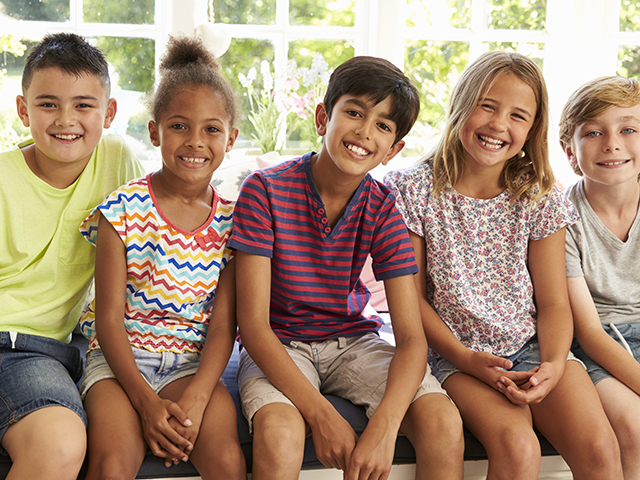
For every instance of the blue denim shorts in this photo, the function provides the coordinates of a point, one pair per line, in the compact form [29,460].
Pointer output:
[159,369]
[631,334]
[523,360]
[37,372]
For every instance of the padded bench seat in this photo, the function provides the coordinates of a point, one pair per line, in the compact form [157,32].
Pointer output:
[153,467]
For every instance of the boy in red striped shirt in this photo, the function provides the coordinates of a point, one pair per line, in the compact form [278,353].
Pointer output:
[302,231]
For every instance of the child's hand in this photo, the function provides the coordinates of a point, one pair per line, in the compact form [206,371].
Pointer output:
[163,440]
[487,367]
[535,389]
[195,412]
[334,441]
[373,455]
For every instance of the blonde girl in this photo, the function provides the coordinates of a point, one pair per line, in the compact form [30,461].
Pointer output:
[488,229]
[158,341]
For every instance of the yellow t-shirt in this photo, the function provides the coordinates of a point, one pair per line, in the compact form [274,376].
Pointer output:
[46,266]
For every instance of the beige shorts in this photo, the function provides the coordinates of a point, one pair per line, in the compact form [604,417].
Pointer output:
[354,368]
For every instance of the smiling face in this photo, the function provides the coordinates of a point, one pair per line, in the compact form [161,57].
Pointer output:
[193,135]
[500,124]
[358,136]
[66,114]
[607,147]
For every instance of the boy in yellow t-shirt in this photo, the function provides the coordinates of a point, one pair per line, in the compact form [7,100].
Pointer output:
[47,186]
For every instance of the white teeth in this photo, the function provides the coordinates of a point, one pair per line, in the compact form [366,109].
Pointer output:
[357,150]
[193,160]
[491,142]
[67,137]
[619,162]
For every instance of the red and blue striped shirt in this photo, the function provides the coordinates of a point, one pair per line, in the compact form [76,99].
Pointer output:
[316,290]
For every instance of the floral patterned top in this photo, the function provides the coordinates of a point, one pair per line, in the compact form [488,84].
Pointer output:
[476,254]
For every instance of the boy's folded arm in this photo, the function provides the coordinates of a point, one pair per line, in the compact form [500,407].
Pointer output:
[111,279]
[334,438]
[595,342]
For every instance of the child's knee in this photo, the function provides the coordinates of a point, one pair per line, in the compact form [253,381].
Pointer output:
[279,426]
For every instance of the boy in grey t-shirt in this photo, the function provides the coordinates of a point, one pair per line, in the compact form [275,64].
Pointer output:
[600,134]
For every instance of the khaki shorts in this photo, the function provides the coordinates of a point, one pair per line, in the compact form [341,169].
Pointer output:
[354,368]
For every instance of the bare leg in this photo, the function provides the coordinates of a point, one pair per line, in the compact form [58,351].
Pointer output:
[571,417]
[621,404]
[116,441]
[434,427]
[49,443]
[216,452]
[278,442]
[504,429]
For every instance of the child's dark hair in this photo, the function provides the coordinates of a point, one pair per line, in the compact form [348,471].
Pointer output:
[187,64]
[377,79]
[69,52]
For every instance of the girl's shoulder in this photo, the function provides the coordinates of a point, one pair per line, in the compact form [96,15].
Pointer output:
[418,176]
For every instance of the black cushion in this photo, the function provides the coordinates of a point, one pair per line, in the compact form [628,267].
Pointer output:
[153,467]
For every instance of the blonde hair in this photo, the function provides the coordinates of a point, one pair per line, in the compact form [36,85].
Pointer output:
[592,99]
[520,174]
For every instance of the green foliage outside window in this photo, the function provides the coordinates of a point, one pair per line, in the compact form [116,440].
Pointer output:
[430,13]
[37,10]
[123,11]
[10,45]
[518,14]
[241,12]
[322,13]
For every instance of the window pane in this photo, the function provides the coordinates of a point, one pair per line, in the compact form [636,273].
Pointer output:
[132,60]
[250,12]
[535,51]
[427,13]
[518,14]
[334,52]
[629,61]
[122,11]
[322,13]
[434,68]
[37,10]
[629,16]
[244,54]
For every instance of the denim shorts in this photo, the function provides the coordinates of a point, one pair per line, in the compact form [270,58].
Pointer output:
[523,360]
[37,372]
[159,369]
[631,334]
[354,368]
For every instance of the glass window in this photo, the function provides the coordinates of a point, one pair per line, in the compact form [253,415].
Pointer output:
[518,14]
[322,13]
[432,13]
[37,10]
[245,12]
[123,11]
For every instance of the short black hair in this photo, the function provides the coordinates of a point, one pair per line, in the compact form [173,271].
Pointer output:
[68,52]
[377,79]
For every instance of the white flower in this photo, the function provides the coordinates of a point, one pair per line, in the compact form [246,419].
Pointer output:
[267,78]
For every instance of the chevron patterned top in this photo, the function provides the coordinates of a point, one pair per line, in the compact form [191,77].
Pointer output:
[172,274]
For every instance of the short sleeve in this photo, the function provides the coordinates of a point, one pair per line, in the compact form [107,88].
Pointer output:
[392,250]
[554,212]
[412,187]
[252,220]
[573,256]
[114,210]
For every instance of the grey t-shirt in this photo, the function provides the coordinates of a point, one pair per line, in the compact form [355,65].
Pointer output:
[610,266]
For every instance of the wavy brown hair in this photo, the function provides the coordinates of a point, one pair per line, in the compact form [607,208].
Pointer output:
[520,175]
